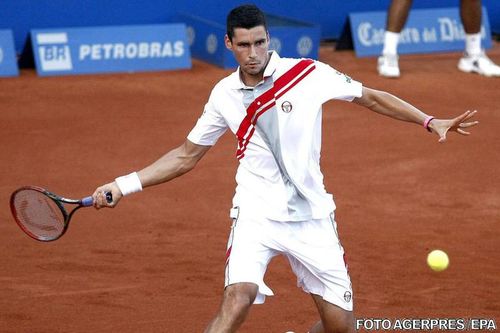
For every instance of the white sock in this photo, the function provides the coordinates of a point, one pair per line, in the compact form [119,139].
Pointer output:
[391,40]
[473,43]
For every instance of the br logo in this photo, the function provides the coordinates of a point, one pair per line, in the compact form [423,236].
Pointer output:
[53,51]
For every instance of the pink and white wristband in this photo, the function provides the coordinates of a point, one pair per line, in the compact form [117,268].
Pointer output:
[129,184]
[427,121]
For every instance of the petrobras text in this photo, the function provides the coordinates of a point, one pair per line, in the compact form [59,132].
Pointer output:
[131,50]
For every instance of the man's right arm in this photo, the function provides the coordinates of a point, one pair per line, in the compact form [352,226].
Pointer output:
[173,164]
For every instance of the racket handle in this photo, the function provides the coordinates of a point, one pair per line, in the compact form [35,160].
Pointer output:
[89,201]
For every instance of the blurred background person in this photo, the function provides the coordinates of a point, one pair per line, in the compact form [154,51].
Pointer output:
[474,59]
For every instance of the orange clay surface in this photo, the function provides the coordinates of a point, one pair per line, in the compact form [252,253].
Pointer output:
[156,262]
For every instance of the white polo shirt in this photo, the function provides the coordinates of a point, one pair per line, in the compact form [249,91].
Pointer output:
[278,129]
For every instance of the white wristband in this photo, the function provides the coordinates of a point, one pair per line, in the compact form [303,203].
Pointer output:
[129,184]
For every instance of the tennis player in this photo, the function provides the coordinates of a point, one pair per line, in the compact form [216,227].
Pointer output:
[273,106]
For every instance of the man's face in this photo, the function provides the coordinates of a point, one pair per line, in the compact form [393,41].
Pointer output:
[250,47]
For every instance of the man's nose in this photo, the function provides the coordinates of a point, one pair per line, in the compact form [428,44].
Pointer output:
[253,51]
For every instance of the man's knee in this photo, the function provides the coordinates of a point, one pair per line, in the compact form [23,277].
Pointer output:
[239,297]
[333,318]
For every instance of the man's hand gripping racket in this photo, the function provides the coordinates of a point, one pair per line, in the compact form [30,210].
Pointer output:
[100,196]
[42,215]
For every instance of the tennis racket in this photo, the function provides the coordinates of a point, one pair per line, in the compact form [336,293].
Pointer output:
[42,215]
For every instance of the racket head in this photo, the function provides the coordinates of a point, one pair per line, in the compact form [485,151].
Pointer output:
[39,213]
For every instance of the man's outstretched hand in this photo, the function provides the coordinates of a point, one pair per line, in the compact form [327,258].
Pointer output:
[442,126]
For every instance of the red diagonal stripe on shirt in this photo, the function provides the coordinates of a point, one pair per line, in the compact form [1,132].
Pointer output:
[266,97]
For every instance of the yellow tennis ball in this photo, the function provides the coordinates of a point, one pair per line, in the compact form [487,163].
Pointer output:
[438,260]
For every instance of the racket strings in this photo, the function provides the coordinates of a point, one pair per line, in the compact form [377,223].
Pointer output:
[39,214]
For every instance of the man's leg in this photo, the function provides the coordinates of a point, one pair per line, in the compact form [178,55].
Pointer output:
[396,18]
[333,318]
[474,60]
[235,305]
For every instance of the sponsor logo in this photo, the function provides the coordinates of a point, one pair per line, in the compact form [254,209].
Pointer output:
[191,35]
[347,296]
[304,46]
[111,49]
[53,51]
[211,43]
[275,44]
[286,107]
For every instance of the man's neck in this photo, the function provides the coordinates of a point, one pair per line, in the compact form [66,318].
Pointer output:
[251,80]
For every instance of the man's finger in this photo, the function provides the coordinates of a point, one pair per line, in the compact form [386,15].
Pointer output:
[469,114]
[463,125]
[462,117]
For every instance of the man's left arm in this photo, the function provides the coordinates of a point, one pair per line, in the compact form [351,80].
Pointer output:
[392,106]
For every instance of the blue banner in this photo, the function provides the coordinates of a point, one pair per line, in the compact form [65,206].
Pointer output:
[426,30]
[8,59]
[290,38]
[110,49]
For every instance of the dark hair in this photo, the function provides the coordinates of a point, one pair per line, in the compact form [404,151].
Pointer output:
[245,16]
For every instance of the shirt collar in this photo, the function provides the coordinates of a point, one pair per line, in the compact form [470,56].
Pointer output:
[268,71]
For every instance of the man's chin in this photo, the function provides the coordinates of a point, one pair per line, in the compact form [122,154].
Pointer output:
[253,70]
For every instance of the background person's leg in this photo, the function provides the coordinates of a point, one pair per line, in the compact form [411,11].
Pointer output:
[397,15]
[474,59]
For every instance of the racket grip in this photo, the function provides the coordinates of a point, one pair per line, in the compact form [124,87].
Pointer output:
[89,201]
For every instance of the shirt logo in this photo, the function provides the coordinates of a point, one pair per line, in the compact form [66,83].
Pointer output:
[347,296]
[286,107]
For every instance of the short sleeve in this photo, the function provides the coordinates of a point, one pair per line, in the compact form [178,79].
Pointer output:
[332,84]
[210,126]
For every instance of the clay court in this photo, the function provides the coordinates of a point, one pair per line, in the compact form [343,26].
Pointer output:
[156,262]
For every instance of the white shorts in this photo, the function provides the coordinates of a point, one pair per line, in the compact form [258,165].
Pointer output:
[312,248]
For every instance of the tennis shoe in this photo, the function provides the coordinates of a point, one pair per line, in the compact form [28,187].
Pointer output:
[388,65]
[479,64]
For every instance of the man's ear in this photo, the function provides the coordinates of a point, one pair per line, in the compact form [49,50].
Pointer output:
[227,41]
